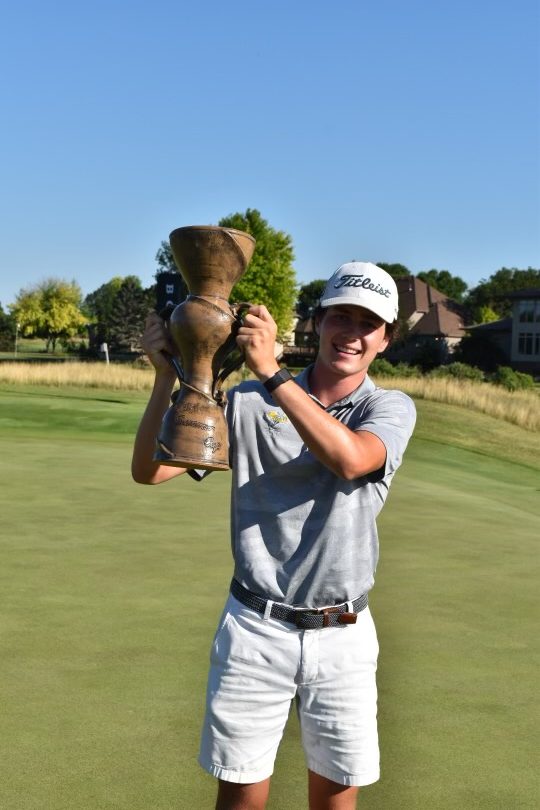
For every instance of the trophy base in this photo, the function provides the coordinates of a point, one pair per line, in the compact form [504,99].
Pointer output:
[193,432]
[170,459]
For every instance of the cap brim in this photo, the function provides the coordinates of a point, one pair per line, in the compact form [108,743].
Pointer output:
[387,317]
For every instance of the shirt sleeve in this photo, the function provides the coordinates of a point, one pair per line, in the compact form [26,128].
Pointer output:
[390,415]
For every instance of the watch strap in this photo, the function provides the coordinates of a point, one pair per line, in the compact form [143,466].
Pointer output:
[280,377]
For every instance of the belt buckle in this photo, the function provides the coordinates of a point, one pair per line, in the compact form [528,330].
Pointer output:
[344,617]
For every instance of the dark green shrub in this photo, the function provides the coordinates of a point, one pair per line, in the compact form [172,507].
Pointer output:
[405,370]
[512,380]
[459,371]
[382,368]
[429,354]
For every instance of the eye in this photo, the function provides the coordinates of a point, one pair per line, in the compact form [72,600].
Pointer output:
[372,325]
[339,317]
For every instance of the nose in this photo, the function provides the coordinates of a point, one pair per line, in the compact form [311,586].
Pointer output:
[353,329]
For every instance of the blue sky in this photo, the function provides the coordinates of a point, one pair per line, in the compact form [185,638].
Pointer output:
[390,131]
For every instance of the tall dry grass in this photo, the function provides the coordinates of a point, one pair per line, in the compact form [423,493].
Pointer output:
[115,376]
[519,407]
[78,375]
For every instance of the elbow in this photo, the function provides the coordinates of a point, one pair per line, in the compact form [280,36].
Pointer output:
[349,473]
[139,477]
[350,467]
[346,471]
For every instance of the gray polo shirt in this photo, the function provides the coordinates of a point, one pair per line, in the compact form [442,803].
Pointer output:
[301,535]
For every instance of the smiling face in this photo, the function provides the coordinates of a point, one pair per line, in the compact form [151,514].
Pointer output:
[350,338]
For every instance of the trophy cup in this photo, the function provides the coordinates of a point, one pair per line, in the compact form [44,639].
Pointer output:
[203,331]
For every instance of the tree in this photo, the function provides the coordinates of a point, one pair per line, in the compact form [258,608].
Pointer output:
[485,315]
[7,331]
[395,270]
[117,311]
[309,296]
[130,307]
[452,286]
[165,260]
[99,307]
[50,310]
[493,292]
[270,278]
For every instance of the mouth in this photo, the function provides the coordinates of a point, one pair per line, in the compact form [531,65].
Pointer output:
[345,349]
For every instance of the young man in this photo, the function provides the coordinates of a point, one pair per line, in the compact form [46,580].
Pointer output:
[312,461]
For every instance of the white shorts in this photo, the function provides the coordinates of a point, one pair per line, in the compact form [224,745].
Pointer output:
[258,666]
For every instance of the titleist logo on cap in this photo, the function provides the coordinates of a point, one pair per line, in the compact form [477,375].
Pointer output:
[358,280]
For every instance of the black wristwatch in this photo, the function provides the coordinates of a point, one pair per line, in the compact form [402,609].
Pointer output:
[280,377]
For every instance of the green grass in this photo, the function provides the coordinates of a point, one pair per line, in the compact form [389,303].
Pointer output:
[31,349]
[111,593]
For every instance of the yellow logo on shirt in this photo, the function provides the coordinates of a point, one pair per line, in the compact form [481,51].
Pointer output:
[276,418]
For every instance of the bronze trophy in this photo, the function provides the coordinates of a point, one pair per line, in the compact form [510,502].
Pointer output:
[203,331]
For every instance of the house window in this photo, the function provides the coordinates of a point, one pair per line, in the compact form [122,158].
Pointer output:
[529,312]
[525,342]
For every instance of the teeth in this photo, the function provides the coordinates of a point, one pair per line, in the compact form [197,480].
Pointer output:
[346,350]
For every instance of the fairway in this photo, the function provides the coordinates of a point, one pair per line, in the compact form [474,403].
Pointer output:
[111,593]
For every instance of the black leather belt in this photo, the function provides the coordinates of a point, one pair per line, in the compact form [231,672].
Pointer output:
[302,618]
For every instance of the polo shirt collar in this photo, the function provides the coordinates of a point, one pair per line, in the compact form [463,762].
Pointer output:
[351,399]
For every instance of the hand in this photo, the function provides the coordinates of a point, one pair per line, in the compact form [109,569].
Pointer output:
[257,338]
[156,344]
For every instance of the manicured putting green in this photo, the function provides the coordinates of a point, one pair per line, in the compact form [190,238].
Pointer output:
[111,592]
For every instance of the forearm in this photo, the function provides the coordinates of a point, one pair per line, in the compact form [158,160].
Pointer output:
[349,454]
[143,468]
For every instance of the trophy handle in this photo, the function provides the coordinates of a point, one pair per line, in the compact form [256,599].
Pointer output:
[236,358]
[240,308]
[177,367]
[165,316]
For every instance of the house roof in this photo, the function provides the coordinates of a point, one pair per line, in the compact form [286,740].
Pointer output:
[437,315]
[527,293]
[442,320]
[416,296]
[504,325]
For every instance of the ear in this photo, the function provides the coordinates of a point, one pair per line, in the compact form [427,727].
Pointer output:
[317,319]
[385,342]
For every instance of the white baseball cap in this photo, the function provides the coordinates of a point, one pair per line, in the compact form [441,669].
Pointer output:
[363,284]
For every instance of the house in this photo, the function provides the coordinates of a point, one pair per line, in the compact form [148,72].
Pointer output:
[300,347]
[525,351]
[432,323]
[515,341]
[429,312]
